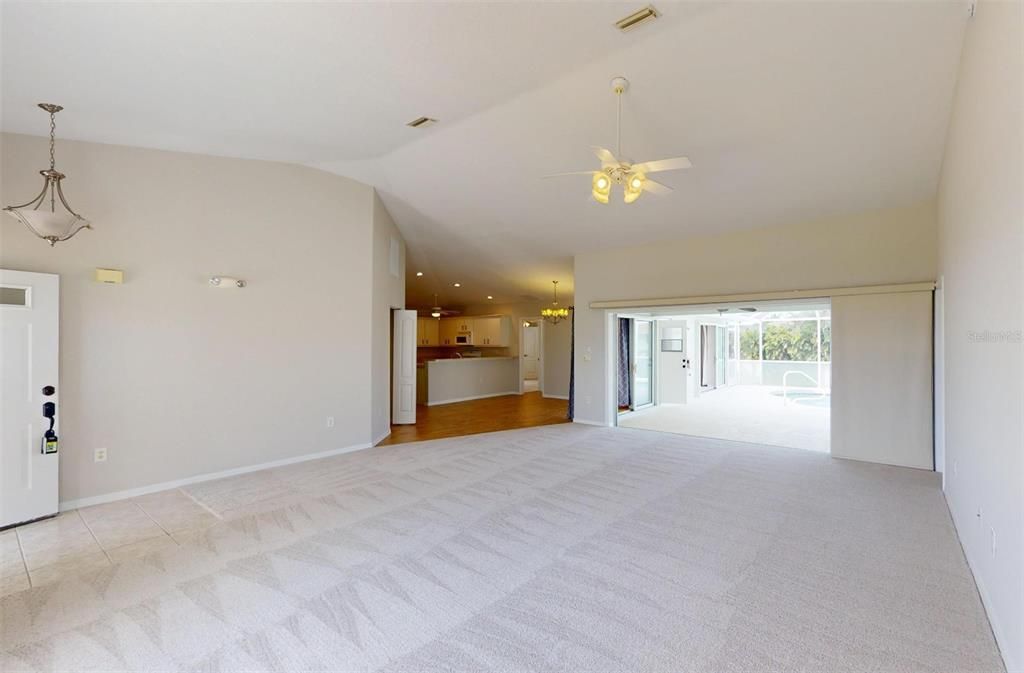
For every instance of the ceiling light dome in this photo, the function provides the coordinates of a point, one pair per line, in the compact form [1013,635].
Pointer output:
[51,224]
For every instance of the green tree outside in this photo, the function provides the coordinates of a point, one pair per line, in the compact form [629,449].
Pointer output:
[788,341]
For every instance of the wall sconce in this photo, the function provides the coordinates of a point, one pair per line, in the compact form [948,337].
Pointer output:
[226,281]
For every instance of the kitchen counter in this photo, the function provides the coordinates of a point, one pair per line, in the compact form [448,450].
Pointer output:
[459,379]
[441,360]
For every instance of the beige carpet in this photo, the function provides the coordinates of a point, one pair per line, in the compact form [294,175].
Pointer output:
[561,548]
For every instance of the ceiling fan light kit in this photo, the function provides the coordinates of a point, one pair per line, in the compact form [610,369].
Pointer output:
[615,170]
[53,224]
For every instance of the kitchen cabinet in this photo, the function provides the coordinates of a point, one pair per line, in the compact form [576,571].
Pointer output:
[427,332]
[492,330]
[448,328]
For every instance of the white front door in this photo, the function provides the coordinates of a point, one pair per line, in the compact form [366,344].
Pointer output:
[29,304]
[403,365]
[531,352]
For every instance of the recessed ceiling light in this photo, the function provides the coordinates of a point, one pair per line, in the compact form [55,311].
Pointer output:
[421,122]
[490,297]
[419,273]
[646,14]
[457,284]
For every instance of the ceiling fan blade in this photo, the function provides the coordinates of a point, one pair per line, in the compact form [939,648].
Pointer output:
[606,156]
[558,175]
[674,164]
[656,187]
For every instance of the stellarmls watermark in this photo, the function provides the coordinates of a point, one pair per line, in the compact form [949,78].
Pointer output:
[996,337]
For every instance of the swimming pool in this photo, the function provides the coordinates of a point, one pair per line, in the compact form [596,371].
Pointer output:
[806,399]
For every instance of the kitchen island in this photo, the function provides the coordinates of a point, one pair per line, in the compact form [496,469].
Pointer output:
[459,379]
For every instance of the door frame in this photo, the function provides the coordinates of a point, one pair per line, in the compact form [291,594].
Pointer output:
[540,347]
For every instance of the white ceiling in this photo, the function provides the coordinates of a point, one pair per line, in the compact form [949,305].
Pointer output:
[788,110]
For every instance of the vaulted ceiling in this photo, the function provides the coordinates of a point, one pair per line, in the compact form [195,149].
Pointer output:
[788,110]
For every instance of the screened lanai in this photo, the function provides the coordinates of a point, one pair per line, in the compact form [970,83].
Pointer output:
[759,374]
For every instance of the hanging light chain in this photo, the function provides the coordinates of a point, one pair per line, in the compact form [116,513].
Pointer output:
[53,135]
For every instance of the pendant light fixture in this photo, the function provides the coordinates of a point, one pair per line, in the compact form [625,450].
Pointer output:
[555,314]
[50,224]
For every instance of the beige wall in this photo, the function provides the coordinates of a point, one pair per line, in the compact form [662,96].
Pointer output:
[557,340]
[388,293]
[981,234]
[891,246]
[557,351]
[173,377]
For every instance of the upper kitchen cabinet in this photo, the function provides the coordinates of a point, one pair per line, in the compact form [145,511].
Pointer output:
[449,329]
[492,330]
[427,332]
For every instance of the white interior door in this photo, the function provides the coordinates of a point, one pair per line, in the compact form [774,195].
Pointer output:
[29,305]
[531,352]
[403,367]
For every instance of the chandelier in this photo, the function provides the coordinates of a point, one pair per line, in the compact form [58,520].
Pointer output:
[51,224]
[555,314]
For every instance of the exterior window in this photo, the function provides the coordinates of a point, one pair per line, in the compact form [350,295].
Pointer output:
[750,345]
[826,340]
[791,341]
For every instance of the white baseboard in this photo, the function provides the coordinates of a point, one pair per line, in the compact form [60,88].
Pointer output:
[583,422]
[555,397]
[209,476]
[474,397]
[381,438]
[1002,643]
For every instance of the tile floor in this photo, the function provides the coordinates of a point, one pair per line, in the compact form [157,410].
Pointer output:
[743,414]
[95,537]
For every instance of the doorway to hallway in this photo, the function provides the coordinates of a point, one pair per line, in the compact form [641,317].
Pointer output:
[530,338]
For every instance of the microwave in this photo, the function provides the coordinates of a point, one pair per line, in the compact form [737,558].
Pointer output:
[464,339]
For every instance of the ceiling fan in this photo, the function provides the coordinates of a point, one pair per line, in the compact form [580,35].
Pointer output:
[615,169]
[436,311]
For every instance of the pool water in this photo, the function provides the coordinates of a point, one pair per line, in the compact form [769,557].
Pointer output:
[807,399]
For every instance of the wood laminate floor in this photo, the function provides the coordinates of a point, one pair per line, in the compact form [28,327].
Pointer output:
[487,415]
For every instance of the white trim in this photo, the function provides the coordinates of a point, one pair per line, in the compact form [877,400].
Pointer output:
[554,397]
[209,476]
[766,296]
[377,440]
[474,397]
[997,631]
[583,422]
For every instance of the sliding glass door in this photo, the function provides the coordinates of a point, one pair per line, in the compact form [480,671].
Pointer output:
[643,363]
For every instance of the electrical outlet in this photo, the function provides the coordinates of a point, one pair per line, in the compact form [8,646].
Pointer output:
[992,536]
[956,466]
[330,421]
[586,400]
[99,456]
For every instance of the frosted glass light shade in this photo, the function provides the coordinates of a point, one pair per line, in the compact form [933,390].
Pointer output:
[46,223]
